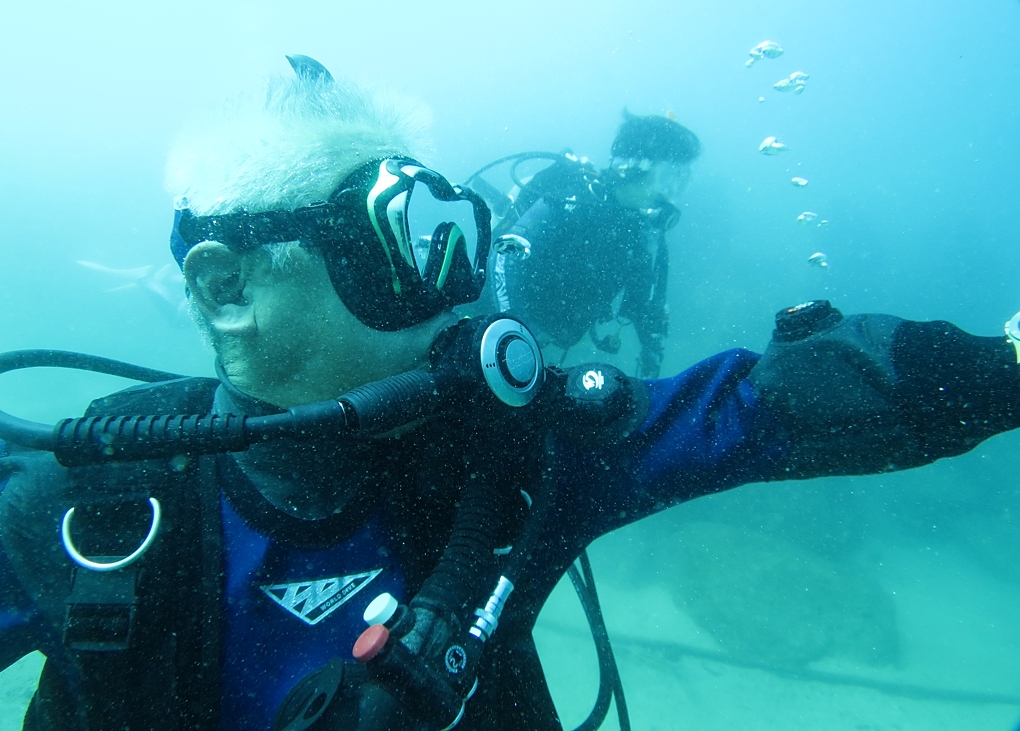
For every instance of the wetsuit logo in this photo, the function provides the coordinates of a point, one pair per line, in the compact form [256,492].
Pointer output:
[313,601]
[456,659]
[593,379]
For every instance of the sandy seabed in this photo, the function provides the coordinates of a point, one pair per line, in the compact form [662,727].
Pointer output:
[17,683]
[960,669]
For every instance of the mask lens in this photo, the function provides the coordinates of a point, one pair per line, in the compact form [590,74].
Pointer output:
[425,213]
[670,180]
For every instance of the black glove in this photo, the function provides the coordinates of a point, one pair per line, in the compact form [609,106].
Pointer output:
[872,393]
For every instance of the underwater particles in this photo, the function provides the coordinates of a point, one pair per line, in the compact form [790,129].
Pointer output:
[765,49]
[771,146]
[799,182]
[796,82]
[818,259]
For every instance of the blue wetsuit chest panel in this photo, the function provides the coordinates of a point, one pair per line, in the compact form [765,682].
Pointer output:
[288,611]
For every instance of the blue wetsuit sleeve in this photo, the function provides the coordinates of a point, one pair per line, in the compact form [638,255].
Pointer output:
[704,432]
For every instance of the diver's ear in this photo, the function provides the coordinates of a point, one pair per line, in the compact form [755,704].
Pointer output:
[217,276]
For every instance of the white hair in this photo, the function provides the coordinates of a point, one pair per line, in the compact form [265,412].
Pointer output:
[292,146]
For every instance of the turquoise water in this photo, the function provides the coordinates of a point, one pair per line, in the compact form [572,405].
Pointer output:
[885,602]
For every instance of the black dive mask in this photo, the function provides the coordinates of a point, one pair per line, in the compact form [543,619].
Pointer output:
[388,264]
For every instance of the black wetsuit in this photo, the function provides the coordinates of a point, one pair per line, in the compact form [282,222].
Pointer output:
[587,250]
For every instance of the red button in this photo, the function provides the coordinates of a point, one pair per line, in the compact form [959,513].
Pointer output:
[372,640]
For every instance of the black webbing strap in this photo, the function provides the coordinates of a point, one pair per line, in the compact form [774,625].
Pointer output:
[101,609]
[146,638]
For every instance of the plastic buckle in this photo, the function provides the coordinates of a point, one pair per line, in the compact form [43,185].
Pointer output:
[101,610]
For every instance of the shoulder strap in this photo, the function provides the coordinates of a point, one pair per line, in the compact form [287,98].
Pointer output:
[141,644]
[180,396]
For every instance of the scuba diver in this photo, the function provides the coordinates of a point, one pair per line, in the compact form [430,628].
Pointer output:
[578,250]
[356,524]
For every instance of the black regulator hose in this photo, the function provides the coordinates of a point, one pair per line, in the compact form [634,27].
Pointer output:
[610,685]
[429,663]
[486,356]
[41,436]
[520,156]
[369,410]
[19,359]
[374,408]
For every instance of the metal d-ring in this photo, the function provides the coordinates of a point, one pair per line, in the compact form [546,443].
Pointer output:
[65,537]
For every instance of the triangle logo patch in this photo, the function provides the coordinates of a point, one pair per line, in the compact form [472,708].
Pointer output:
[313,601]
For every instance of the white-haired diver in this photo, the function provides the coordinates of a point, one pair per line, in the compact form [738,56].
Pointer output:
[356,525]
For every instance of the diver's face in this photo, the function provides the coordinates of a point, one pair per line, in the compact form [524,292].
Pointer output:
[661,182]
[319,348]
[284,335]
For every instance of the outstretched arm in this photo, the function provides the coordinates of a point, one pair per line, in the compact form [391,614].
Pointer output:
[858,395]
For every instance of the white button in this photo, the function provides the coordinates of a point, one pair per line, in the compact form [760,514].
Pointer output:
[381,609]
